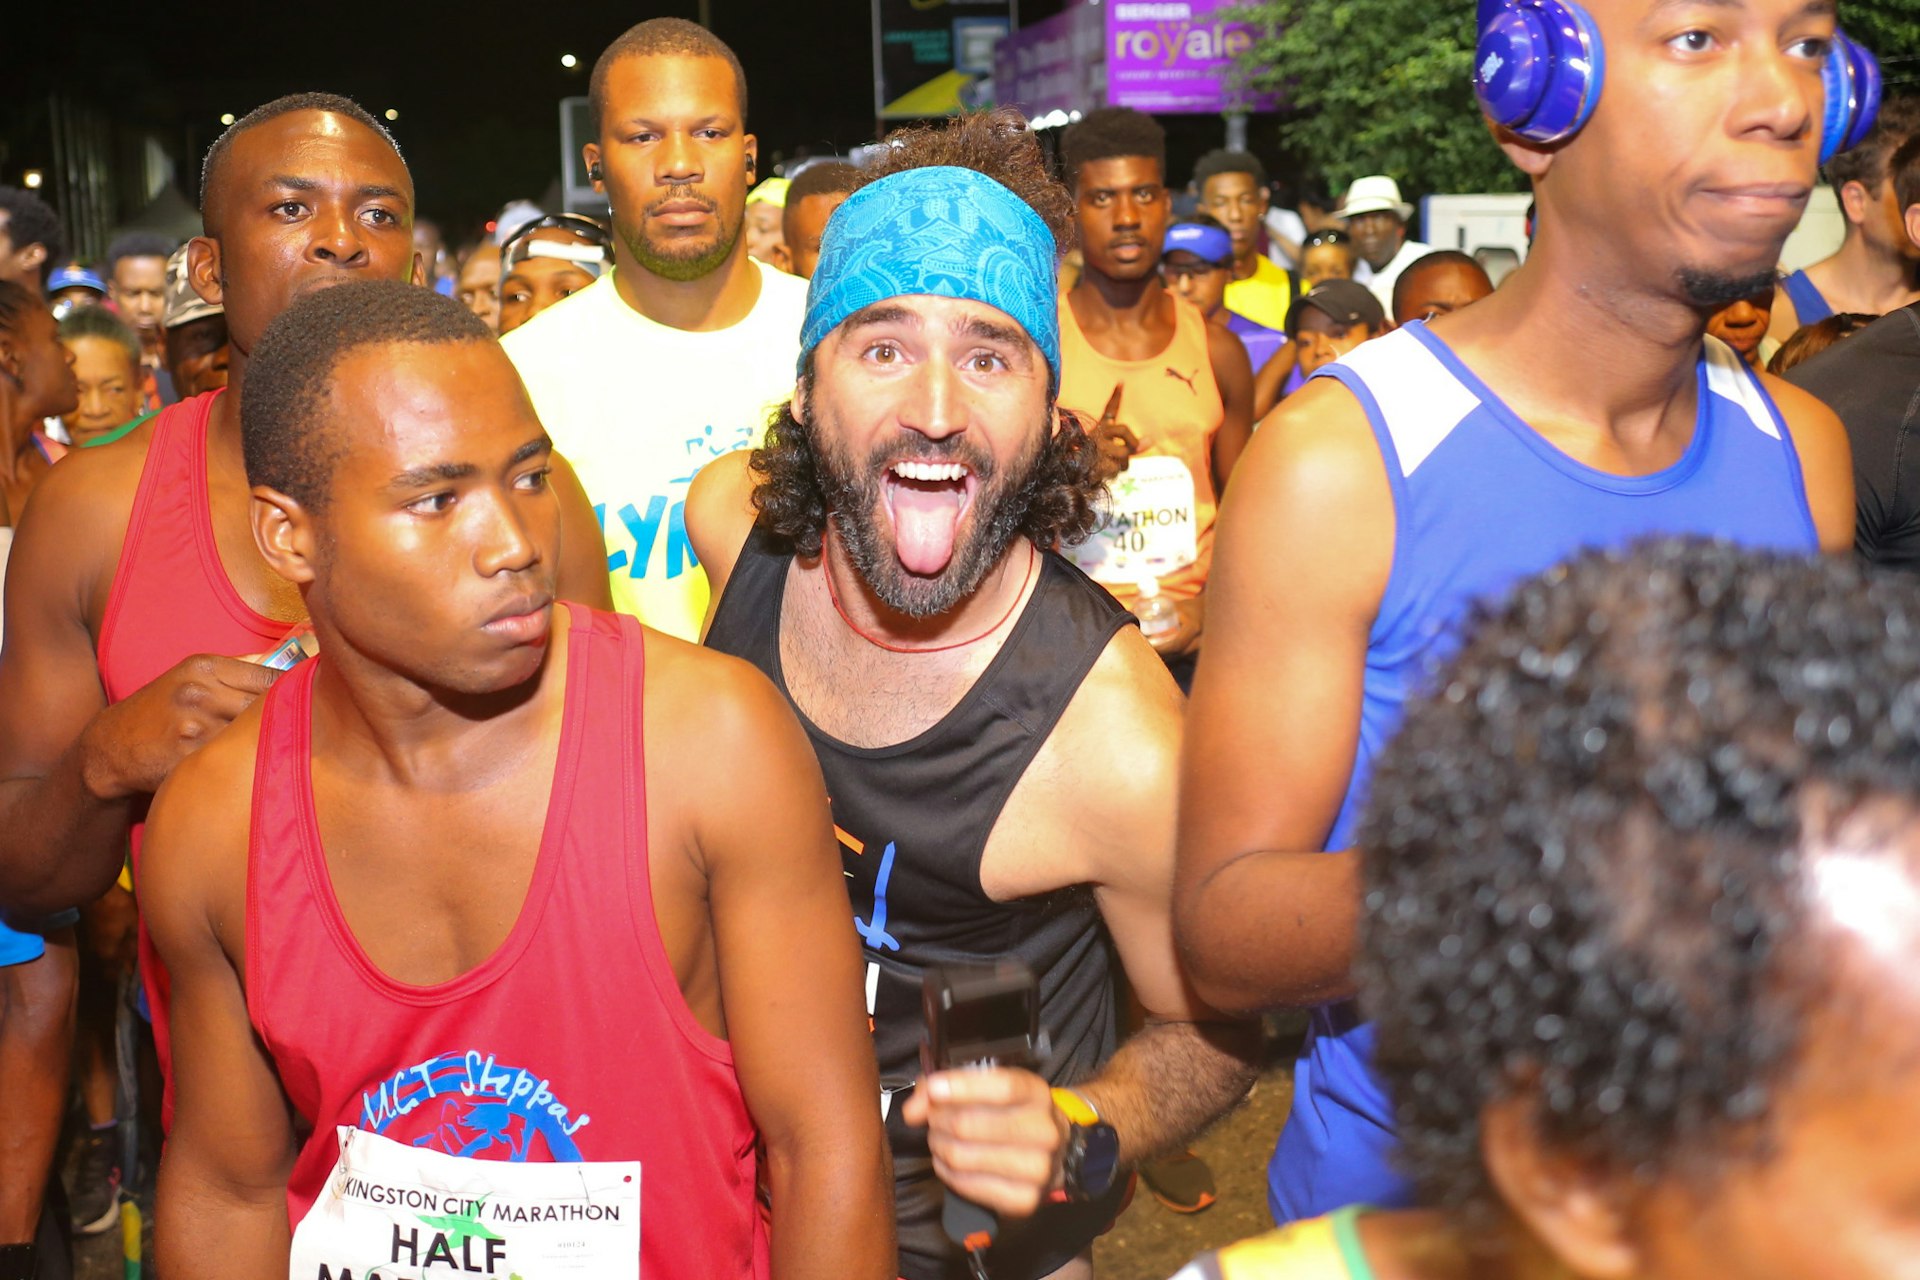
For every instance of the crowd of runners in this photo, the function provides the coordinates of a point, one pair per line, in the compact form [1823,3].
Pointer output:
[453,704]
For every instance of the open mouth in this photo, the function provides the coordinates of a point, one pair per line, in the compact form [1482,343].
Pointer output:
[925,501]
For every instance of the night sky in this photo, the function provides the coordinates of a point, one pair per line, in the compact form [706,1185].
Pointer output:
[477,95]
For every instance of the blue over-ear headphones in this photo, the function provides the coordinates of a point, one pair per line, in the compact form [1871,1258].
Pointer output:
[1540,65]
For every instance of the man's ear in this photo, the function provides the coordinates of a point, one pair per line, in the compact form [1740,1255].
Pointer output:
[1531,158]
[1913,223]
[204,271]
[1856,202]
[33,256]
[753,155]
[799,406]
[590,157]
[9,358]
[1567,1203]
[419,273]
[782,256]
[283,530]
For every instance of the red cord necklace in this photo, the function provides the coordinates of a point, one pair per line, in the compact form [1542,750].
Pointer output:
[1033,558]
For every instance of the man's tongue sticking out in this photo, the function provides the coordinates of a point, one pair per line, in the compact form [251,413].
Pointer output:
[926,521]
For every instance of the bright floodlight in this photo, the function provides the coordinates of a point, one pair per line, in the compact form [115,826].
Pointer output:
[568,61]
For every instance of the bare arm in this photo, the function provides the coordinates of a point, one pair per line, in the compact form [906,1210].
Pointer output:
[1272,378]
[996,1136]
[70,766]
[719,516]
[790,984]
[1301,558]
[1188,1065]
[1826,462]
[222,1202]
[583,554]
[1234,372]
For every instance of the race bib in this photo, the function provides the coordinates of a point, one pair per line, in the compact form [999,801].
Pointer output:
[1151,527]
[393,1212]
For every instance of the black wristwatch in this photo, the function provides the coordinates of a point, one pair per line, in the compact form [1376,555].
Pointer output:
[1091,1160]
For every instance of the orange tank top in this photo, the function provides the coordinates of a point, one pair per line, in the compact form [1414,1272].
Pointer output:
[1160,515]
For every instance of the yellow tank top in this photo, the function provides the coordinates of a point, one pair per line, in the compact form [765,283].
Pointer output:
[1316,1249]
[1160,518]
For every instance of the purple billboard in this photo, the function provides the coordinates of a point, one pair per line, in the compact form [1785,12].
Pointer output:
[1172,57]
[1176,57]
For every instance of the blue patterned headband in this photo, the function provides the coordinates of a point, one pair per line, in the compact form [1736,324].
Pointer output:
[945,231]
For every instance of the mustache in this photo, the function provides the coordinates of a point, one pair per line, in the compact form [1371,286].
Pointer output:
[921,449]
[682,195]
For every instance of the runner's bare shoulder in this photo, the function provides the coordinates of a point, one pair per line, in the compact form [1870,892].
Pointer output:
[67,544]
[199,825]
[700,699]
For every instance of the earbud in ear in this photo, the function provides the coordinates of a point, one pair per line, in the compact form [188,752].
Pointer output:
[594,173]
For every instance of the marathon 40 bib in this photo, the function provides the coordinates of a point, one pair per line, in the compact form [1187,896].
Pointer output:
[393,1212]
[1151,527]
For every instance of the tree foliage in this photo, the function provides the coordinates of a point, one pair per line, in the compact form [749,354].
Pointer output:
[1385,86]
[1378,86]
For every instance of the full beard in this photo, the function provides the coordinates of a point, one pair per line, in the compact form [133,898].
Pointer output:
[677,262]
[855,498]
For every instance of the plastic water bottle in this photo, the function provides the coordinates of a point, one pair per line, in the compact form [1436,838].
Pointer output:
[1158,615]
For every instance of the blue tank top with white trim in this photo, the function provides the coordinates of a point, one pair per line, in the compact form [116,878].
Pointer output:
[1481,502]
[1810,306]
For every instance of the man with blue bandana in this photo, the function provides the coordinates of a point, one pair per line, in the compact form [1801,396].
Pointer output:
[887,559]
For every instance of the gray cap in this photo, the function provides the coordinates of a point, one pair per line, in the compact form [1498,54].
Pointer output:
[183,304]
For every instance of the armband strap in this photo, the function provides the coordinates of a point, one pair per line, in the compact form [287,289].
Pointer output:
[1076,1108]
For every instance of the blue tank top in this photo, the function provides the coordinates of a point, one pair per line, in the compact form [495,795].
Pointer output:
[1481,502]
[1809,304]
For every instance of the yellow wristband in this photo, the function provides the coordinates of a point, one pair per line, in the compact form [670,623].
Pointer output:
[1076,1108]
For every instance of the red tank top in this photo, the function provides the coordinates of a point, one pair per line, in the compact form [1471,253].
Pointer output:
[571,1042]
[171,599]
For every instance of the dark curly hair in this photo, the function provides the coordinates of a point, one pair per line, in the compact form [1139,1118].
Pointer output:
[1109,133]
[1054,506]
[995,143]
[1582,856]
[1222,160]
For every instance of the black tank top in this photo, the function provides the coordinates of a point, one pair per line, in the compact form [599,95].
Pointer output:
[913,821]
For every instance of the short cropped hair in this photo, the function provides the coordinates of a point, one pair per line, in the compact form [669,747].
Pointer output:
[1110,133]
[285,435]
[98,322]
[1904,169]
[1866,164]
[826,177]
[1582,854]
[1221,160]
[212,170]
[31,220]
[661,37]
[1438,258]
[136,244]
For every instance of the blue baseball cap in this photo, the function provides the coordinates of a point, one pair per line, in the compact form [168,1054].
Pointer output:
[1209,244]
[75,276]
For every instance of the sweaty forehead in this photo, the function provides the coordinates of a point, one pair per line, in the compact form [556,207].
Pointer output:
[1119,171]
[319,146]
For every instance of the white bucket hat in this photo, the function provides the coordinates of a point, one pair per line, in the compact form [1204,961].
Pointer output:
[1371,195]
